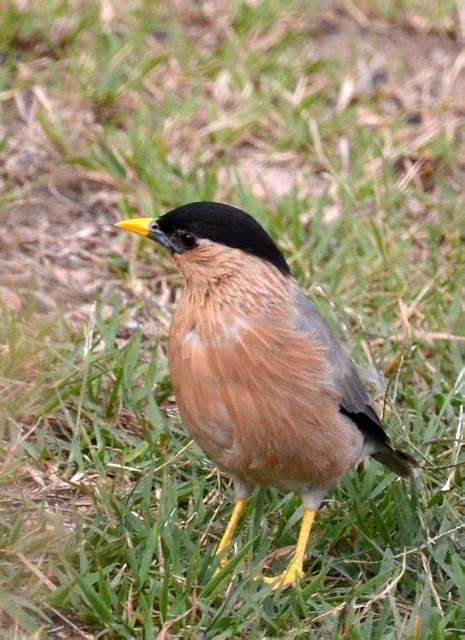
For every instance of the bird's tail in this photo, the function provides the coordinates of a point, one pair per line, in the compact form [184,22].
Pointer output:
[401,463]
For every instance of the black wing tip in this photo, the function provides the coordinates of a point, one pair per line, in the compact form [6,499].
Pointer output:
[371,426]
[368,423]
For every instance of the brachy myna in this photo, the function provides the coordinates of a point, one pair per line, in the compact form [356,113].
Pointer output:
[261,382]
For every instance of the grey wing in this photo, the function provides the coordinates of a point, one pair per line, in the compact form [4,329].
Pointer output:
[355,402]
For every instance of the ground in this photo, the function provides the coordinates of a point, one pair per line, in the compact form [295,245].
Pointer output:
[340,126]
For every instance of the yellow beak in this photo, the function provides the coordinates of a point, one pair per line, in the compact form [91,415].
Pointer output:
[136,225]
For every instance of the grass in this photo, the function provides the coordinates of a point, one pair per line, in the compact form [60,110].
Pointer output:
[320,121]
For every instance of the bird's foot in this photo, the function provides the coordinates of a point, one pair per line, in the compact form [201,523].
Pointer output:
[288,578]
[222,562]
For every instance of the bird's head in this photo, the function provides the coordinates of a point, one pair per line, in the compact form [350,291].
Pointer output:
[206,236]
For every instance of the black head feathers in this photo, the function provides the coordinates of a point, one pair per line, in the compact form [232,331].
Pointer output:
[225,225]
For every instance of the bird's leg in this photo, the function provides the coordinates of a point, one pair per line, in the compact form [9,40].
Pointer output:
[239,507]
[294,570]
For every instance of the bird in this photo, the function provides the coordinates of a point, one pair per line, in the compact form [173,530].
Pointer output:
[261,382]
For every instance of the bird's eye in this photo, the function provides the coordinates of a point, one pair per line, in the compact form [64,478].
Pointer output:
[186,238]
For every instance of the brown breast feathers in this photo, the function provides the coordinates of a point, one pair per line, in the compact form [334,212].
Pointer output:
[255,392]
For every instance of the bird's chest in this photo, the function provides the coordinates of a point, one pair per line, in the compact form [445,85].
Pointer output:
[256,397]
[201,358]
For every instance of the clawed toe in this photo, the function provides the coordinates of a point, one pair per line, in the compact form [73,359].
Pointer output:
[288,578]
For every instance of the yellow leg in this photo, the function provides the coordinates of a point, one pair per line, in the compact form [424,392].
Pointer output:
[232,524]
[294,571]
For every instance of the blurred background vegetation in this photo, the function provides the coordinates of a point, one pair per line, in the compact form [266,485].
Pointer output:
[340,126]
